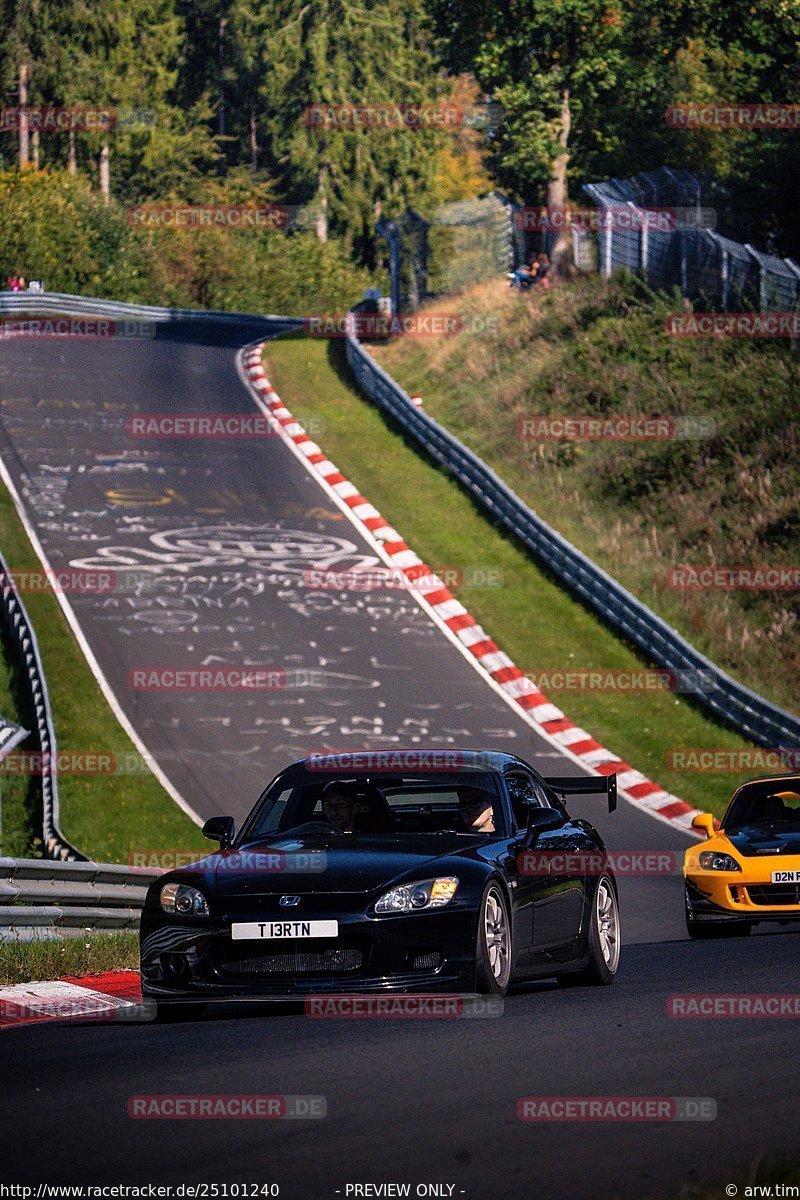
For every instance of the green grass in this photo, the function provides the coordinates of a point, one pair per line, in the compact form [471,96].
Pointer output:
[637,508]
[105,816]
[536,622]
[22,962]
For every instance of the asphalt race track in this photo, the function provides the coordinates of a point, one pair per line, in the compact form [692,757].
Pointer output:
[209,541]
[202,526]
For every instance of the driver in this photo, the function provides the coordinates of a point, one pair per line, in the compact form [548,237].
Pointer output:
[338,808]
[475,810]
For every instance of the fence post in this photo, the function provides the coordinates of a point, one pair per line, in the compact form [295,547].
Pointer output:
[388,230]
[762,280]
[607,243]
[725,267]
[643,247]
[683,250]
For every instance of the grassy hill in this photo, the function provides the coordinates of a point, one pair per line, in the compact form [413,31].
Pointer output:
[728,496]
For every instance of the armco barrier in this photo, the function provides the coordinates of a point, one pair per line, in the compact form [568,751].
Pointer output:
[721,695]
[87,306]
[39,897]
[22,641]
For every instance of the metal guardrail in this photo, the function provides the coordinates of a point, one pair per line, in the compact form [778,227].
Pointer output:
[66,305]
[725,698]
[22,639]
[37,895]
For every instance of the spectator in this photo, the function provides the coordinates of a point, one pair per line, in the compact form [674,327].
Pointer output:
[543,275]
[536,270]
[525,274]
[15,282]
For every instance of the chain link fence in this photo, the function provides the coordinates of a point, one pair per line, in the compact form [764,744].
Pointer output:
[466,242]
[654,223]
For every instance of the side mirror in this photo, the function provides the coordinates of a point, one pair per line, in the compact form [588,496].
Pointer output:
[704,821]
[220,829]
[542,820]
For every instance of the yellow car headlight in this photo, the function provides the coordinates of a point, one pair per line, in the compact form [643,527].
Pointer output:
[712,860]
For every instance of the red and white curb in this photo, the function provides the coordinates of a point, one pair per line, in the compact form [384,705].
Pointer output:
[452,617]
[114,995]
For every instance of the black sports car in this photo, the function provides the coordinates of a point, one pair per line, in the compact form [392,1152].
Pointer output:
[404,870]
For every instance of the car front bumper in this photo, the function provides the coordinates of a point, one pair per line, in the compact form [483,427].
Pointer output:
[431,952]
[713,901]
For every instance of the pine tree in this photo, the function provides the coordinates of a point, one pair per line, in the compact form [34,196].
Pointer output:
[343,52]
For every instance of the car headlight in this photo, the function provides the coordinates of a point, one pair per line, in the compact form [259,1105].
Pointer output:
[711,860]
[181,900]
[413,897]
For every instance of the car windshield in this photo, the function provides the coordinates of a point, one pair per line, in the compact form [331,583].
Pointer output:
[771,804]
[379,805]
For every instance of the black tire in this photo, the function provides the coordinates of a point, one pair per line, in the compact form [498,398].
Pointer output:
[494,942]
[168,1011]
[604,940]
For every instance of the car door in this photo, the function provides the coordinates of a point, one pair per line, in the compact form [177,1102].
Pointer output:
[549,867]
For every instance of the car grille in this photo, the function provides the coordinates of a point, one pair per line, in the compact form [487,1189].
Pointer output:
[331,961]
[778,894]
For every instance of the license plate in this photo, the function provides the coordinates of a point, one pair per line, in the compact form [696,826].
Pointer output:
[786,876]
[242,931]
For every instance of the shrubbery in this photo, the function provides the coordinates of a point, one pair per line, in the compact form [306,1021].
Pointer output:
[54,228]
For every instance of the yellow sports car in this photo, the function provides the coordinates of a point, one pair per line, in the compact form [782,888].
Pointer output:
[748,870]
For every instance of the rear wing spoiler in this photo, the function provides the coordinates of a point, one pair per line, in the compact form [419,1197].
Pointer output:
[587,785]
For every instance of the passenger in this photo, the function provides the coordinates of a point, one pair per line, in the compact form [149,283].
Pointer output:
[475,810]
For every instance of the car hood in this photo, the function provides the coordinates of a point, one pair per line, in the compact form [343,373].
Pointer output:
[752,840]
[334,863]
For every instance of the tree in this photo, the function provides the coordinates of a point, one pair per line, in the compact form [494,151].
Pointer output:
[553,66]
[337,53]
